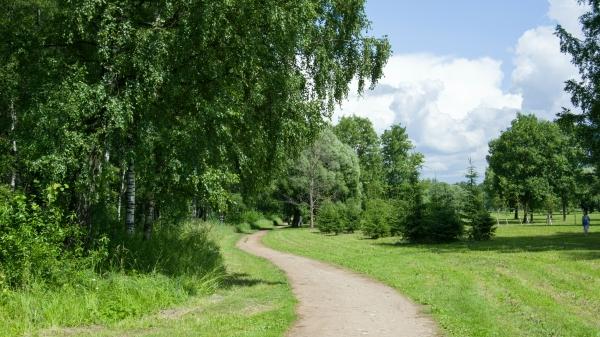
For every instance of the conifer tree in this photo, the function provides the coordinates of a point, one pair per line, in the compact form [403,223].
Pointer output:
[475,217]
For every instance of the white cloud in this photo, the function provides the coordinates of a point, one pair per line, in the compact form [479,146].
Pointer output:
[453,106]
[567,13]
[541,71]
[450,106]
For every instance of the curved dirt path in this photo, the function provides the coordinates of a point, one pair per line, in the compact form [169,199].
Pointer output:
[337,303]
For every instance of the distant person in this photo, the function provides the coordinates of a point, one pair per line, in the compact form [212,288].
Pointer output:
[585,220]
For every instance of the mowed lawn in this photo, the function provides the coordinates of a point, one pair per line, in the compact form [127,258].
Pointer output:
[531,280]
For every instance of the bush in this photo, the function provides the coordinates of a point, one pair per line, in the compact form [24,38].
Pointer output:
[37,242]
[398,216]
[186,249]
[483,226]
[353,214]
[243,228]
[331,217]
[434,221]
[277,221]
[262,224]
[251,216]
[442,220]
[376,219]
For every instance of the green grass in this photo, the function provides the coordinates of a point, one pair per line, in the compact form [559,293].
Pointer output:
[262,224]
[531,280]
[573,218]
[252,300]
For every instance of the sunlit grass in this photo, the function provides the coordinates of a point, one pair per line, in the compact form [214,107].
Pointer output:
[253,299]
[531,280]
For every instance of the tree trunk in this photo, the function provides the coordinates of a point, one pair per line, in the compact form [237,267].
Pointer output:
[564,210]
[297,219]
[121,191]
[130,218]
[149,223]
[524,213]
[13,125]
[311,201]
[517,212]
[531,216]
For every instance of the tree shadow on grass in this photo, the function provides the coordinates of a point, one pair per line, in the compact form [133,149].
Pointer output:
[577,245]
[245,280]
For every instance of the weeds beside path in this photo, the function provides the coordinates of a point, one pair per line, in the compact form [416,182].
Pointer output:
[254,300]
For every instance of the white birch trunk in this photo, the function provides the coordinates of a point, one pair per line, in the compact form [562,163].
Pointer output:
[13,125]
[121,191]
[130,212]
[311,200]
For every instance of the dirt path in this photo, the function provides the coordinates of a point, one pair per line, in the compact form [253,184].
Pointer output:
[338,303]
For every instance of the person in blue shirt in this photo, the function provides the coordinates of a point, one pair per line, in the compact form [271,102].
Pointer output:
[585,220]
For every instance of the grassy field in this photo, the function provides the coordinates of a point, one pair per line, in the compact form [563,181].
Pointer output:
[530,280]
[573,218]
[254,300]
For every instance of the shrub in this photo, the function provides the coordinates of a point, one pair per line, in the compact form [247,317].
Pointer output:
[483,226]
[443,222]
[251,216]
[262,224]
[243,228]
[277,221]
[186,249]
[353,214]
[235,209]
[376,219]
[37,242]
[331,217]
[434,221]
[398,216]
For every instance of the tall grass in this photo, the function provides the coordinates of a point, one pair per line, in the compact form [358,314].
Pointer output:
[135,278]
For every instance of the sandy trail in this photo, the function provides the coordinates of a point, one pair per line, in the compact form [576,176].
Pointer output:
[337,303]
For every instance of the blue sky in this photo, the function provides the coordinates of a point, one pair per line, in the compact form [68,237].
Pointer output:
[462,69]
[466,28]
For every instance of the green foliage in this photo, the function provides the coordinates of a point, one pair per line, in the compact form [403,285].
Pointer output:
[92,88]
[414,225]
[251,216]
[443,223]
[530,161]
[377,219]
[277,221]
[353,214]
[359,134]
[584,52]
[327,169]
[436,220]
[243,228]
[475,217]
[37,241]
[483,226]
[400,165]
[174,251]
[262,224]
[332,217]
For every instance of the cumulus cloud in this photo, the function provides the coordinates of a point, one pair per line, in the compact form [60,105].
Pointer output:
[567,13]
[453,106]
[450,106]
[541,71]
